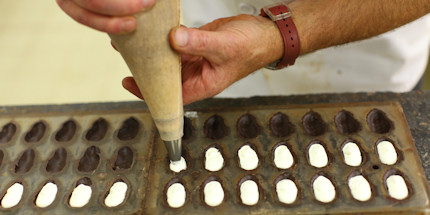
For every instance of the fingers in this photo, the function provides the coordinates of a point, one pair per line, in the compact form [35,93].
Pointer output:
[130,84]
[114,7]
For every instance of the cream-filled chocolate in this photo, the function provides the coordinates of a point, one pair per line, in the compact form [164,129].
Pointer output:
[177,166]
[397,188]
[116,194]
[317,155]
[13,196]
[283,158]
[46,195]
[213,159]
[213,193]
[81,195]
[360,188]
[249,193]
[248,158]
[324,190]
[351,154]
[287,191]
[387,153]
[176,195]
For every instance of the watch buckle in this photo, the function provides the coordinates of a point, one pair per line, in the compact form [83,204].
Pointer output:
[279,16]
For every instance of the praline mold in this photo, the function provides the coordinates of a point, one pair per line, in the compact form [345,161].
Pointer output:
[313,124]
[66,132]
[57,162]
[346,123]
[215,128]
[25,162]
[129,129]
[90,159]
[379,122]
[97,131]
[36,132]
[7,133]
[280,125]
[247,126]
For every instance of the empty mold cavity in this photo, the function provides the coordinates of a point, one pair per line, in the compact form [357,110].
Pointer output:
[36,132]
[313,124]
[90,160]
[280,125]
[117,194]
[215,128]
[379,122]
[386,152]
[282,156]
[213,159]
[323,189]
[396,185]
[81,194]
[286,189]
[212,192]
[97,131]
[129,129]
[46,195]
[66,132]
[317,155]
[57,162]
[248,157]
[359,187]
[13,195]
[7,133]
[188,129]
[175,193]
[249,190]
[25,162]
[351,154]
[124,159]
[346,123]
[247,126]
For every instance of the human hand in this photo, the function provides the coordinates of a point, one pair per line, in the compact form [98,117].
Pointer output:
[220,53]
[110,16]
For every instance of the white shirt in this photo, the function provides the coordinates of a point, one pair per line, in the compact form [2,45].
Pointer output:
[393,61]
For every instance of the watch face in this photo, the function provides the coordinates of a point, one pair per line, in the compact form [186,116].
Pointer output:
[273,65]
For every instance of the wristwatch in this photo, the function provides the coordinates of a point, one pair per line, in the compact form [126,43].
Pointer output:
[281,15]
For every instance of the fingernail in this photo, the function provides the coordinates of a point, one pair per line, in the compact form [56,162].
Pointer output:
[181,37]
[128,25]
[147,3]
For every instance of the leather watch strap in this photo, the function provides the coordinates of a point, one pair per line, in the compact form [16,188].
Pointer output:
[281,15]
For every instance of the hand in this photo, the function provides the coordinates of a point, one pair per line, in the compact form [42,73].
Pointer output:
[110,16]
[220,53]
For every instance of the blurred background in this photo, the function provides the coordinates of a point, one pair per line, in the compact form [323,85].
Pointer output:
[48,58]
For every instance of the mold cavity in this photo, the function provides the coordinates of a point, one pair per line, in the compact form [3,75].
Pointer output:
[324,190]
[90,160]
[346,123]
[178,166]
[66,132]
[287,191]
[386,152]
[247,126]
[213,192]
[176,195]
[116,194]
[188,129]
[282,157]
[124,159]
[215,128]
[97,131]
[7,132]
[25,162]
[379,122]
[248,158]
[249,191]
[81,194]
[317,155]
[280,125]
[351,154]
[129,129]
[359,188]
[313,124]
[57,161]
[36,132]
[214,160]
[46,195]
[397,188]
[13,196]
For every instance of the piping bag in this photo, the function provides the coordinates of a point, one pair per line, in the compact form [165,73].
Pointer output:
[156,68]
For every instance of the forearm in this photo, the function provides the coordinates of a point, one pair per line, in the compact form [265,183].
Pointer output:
[325,23]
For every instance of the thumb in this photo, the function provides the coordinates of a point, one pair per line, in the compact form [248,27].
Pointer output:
[197,42]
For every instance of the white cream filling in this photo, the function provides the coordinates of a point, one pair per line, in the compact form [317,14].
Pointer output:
[81,195]
[360,188]
[317,155]
[213,159]
[397,187]
[116,194]
[176,195]
[287,191]
[248,158]
[213,193]
[177,166]
[249,192]
[352,154]
[46,195]
[387,153]
[324,190]
[283,158]
[13,196]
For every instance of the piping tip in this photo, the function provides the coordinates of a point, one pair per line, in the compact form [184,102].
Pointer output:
[174,148]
